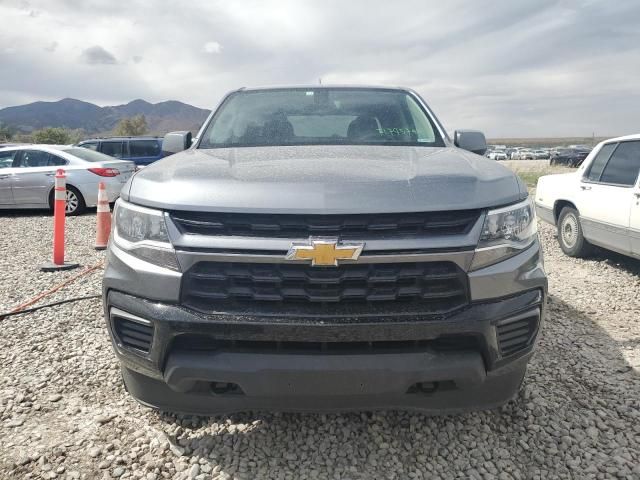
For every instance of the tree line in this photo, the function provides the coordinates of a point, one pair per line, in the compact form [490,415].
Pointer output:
[126,127]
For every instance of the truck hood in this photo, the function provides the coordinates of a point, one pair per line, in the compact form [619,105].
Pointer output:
[325,179]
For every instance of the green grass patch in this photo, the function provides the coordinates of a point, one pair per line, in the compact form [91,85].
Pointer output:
[531,171]
[531,178]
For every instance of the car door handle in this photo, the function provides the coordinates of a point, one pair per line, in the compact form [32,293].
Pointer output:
[4,176]
[584,187]
[52,174]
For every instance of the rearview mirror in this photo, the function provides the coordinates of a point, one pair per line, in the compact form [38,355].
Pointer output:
[472,140]
[174,142]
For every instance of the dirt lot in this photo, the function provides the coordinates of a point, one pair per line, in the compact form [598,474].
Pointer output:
[64,413]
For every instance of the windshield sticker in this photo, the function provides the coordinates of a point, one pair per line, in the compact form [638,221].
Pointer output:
[397,131]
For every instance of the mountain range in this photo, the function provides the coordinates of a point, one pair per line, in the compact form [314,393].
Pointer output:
[71,113]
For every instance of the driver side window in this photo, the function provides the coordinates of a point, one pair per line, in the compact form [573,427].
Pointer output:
[623,166]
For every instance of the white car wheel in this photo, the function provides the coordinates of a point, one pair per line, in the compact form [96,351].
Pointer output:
[74,205]
[72,202]
[570,237]
[569,230]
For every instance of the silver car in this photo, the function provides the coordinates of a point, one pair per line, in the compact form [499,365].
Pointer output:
[27,175]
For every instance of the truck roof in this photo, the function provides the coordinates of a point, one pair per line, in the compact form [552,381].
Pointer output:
[324,86]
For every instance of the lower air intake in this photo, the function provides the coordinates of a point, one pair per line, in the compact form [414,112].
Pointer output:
[516,334]
[132,332]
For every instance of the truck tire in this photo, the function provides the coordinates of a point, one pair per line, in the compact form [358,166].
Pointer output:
[570,237]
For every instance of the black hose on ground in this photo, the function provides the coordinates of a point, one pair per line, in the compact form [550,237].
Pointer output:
[47,305]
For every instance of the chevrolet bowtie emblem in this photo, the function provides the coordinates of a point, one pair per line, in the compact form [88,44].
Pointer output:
[324,251]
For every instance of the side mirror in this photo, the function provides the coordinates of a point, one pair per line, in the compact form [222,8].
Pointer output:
[175,142]
[471,140]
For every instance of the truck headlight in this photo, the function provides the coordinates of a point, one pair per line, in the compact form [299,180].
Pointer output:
[506,232]
[142,232]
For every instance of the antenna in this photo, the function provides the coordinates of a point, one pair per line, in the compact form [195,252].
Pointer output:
[320,81]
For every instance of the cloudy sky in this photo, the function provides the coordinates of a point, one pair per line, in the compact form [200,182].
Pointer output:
[510,68]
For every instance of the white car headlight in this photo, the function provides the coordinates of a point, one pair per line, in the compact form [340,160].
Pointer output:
[506,232]
[142,232]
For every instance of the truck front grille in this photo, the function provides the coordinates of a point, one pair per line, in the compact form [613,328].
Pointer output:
[367,226]
[429,287]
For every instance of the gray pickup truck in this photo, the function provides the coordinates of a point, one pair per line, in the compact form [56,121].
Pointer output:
[324,248]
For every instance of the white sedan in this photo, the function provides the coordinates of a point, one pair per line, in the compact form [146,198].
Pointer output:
[526,155]
[599,204]
[497,155]
[27,175]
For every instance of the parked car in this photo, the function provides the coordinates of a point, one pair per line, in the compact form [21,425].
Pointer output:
[497,147]
[541,154]
[526,154]
[141,150]
[324,248]
[27,176]
[569,157]
[497,155]
[599,204]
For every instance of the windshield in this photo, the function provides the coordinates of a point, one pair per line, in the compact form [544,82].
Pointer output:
[322,116]
[88,155]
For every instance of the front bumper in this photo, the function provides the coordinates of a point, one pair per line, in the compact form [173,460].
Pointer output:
[376,386]
[226,362]
[476,375]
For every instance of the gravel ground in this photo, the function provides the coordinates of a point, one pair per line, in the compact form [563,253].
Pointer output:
[64,413]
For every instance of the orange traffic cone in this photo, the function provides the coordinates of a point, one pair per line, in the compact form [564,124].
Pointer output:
[59,205]
[103,225]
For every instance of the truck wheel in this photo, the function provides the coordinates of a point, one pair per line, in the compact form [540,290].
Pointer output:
[570,237]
